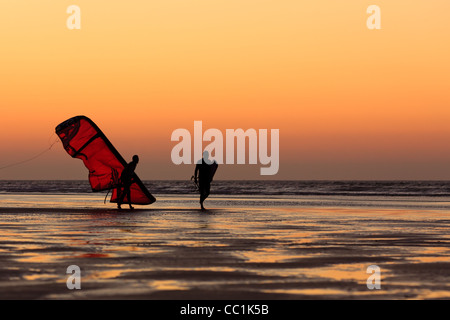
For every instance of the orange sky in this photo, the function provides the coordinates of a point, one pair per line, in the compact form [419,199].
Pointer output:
[350,103]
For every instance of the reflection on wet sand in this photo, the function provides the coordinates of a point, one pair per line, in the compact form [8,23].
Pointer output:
[173,252]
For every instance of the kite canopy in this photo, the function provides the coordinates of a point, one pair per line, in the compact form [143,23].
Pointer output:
[82,139]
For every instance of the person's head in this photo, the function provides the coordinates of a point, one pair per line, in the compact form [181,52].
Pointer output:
[135,159]
[206,158]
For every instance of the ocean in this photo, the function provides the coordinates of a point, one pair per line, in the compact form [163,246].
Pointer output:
[253,187]
[397,194]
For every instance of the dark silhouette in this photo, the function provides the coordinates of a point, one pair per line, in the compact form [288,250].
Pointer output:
[126,179]
[205,172]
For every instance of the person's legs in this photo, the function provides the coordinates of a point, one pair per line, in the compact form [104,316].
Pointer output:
[126,185]
[202,198]
[129,196]
[120,197]
[204,193]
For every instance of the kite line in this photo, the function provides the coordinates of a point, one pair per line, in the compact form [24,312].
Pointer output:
[32,158]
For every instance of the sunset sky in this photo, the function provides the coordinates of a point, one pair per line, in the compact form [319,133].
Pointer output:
[350,103]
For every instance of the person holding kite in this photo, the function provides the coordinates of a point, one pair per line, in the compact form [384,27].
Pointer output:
[82,139]
[126,179]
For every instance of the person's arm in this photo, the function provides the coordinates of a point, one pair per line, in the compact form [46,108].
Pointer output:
[196,172]
[133,174]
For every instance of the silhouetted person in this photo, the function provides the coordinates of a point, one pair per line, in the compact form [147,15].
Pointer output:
[205,172]
[126,179]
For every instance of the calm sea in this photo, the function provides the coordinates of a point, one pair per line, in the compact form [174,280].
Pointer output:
[261,188]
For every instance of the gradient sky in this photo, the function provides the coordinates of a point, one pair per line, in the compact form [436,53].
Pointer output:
[350,103]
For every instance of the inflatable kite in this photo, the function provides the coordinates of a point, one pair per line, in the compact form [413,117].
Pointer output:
[82,139]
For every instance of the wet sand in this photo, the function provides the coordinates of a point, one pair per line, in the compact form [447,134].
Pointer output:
[170,251]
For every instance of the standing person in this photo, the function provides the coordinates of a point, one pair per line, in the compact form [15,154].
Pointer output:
[203,175]
[126,179]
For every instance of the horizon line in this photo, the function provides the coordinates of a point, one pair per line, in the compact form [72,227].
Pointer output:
[303,180]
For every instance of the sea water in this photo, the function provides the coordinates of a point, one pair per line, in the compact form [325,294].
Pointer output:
[268,193]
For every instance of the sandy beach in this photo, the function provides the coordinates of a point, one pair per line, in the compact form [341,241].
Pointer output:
[236,250]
